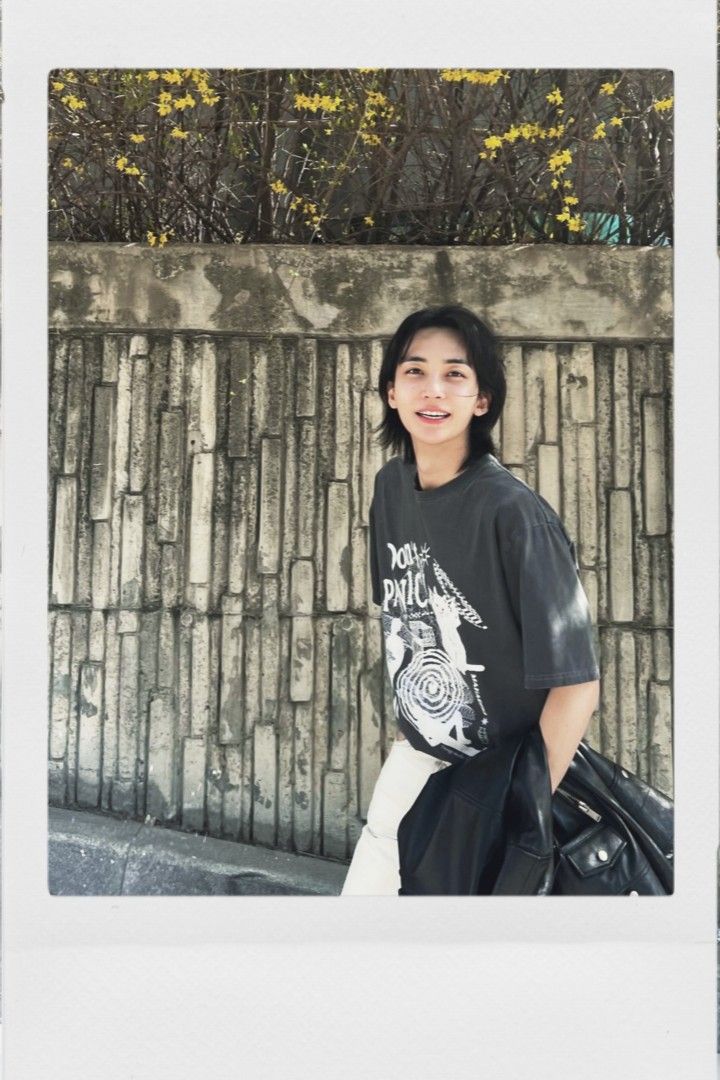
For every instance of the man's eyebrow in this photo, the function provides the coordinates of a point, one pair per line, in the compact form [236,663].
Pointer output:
[450,360]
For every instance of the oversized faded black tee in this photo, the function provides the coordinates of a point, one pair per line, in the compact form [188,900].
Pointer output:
[482,606]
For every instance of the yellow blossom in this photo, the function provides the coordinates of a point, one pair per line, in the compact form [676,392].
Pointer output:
[178,133]
[151,239]
[599,132]
[279,187]
[120,163]
[608,88]
[70,77]
[317,102]
[137,138]
[367,220]
[132,170]
[555,97]
[58,86]
[554,183]
[616,121]
[663,105]
[73,102]
[164,103]
[173,77]
[559,161]
[295,202]
[185,102]
[567,183]
[570,200]
[67,163]
[493,142]
[153,76]
[576,224]
[370,139]
[480,78]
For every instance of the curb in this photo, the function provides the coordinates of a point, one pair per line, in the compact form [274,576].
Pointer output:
[91,854]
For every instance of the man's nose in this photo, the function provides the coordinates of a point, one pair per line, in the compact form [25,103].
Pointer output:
[434,387]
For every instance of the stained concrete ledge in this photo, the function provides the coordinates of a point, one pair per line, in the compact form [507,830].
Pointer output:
[97,855]
[527,292]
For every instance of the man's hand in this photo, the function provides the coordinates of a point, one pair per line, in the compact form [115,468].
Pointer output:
[563,722]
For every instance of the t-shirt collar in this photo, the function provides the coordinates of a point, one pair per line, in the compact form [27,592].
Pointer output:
[458,483]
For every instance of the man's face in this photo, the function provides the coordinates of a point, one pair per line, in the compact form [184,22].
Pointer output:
[435,390]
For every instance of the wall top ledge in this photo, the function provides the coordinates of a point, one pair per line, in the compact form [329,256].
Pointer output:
[525,292]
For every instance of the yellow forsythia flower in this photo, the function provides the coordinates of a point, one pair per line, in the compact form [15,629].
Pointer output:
[367,220]
[137,138]
[164,103]
[599,132]
[120,163]
[151,239]
[480,78]
[279,187]
[73,102]
[554,183]
[67,163]
[178,133]
[317,102]
[570,200]
[576,224]
[153,76]
[185,102]
[132,170]
[493,142]
[58,86]
[173,77]
[560,160]
[608,88]
[554,97]
[663,105]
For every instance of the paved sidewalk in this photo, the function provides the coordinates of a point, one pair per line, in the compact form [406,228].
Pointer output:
[96,855]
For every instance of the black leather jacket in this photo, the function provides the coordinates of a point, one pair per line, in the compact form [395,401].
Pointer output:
[489,825]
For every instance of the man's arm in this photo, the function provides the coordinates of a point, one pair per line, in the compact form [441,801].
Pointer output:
[563,722]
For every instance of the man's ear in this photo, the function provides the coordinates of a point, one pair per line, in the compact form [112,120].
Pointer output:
[483,403]
[391,396]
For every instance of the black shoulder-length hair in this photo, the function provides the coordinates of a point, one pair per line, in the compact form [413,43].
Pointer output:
[482,353]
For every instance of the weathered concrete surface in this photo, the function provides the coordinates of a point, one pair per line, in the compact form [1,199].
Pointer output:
[97,855]
[530,292]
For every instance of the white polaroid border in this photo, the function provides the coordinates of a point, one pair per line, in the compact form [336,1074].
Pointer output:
[357,987]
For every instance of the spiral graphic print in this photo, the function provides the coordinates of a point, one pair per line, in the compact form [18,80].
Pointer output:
[431,690]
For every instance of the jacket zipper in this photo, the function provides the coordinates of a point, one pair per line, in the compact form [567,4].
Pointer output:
[580,805]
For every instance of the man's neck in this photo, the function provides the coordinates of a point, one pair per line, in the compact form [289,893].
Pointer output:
[435,469]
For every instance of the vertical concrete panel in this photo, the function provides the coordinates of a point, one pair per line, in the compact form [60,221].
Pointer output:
[90,706]
[131,561]
[306,526]
[214,789]
[101,565]
[176,373]
[60,685]
[110,712]
[568,442]
[514,413]
[533,384]
[654,480]
[587,497]
[78,656]
[201,500]
[185,660]
[221,513]
[96,636]
[193,784]
[622,446]
[202,381]
[200,678]
[111,344]
[170,478]
[123,794]
[342,412]
[320,728]
[306,377]
[609,700]
[661,563]
[237,533]
[288,467]
[251,674]
[549,475]
[627,692]
[268,547]
[232,691]
[581,383]
[301,587]
[264,784]
[620,556]
[355,672]
[232,793]
[337,566]
[339,718]
[239,394]
[335,803]
[101,468]
[277,385]
[303,792]
[551,427]
[370,756]
[604,434]
[372,458]
[152,562]
[167,677]
[301,659]
[56,406]
[660,715]
[270,652]
[161,796]
[358,530]
[644,666]
[139,425]
[122,421]
[74,407]
[286,716]
[64,541]
[662,655]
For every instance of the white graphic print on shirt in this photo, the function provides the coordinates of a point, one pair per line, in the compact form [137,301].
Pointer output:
[436,689]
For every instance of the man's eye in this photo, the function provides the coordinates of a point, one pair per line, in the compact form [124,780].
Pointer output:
[461,374]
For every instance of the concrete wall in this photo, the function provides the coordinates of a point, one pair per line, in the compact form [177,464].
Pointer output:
[216,660]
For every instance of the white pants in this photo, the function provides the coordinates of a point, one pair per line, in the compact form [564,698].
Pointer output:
[375,866]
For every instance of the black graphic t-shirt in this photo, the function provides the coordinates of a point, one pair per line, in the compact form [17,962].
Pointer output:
[482,607]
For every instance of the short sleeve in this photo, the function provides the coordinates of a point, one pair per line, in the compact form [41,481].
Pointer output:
[372,547]
[550,606]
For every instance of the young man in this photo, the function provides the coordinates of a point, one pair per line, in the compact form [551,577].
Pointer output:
[487,628]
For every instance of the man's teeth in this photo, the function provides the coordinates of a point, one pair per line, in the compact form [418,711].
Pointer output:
[435,414]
